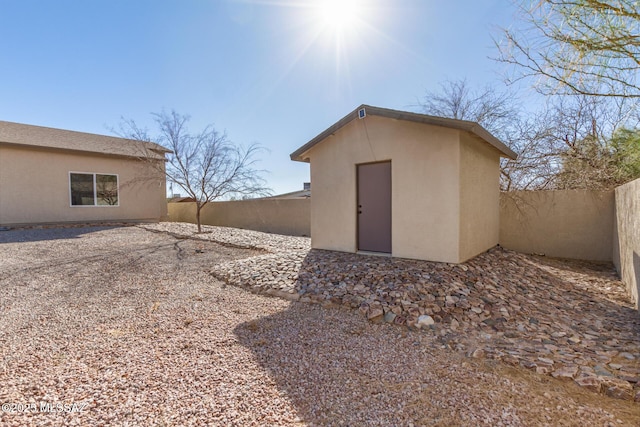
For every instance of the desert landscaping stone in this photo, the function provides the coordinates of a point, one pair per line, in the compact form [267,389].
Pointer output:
[567,372]
[390,316]
[424,321]
[618,389]
[550,316]
[233,236]
[590,382]
[134,326]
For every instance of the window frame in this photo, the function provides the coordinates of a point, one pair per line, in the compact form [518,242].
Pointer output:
[95,190]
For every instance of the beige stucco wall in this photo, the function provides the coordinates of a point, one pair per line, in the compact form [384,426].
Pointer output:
[626,248]
[479,196]
[425,186]
[566,224]
[281,216]
[34,187]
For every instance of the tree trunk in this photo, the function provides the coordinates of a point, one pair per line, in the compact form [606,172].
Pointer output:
[198,208]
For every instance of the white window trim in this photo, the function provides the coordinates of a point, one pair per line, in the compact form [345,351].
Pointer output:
[95,190]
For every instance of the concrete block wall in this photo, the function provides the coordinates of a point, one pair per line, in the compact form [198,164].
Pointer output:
[281,216]
[563,224]
[578,224]
[626,234]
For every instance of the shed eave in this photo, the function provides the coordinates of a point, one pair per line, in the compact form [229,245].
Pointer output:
[300,154]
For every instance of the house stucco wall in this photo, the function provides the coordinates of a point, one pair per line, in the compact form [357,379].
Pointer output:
[626,234]
[34,187]
[479,196]
[282,216]
[425,161]
[565,224]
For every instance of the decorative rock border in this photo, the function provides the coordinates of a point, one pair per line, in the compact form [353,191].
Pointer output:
[568,319]
[236,237]
[500,305]
[271,274]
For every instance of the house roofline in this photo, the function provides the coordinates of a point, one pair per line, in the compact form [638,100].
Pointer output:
[49,149]
[18,135]
[464,125]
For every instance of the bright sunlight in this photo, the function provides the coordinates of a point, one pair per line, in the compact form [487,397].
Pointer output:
[339,15]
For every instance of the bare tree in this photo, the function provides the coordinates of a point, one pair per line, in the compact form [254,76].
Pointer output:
[498,112]
[206,165]
[567,144]
[493,109]
[587,47]
[592,143]
[536,167]
[107,190]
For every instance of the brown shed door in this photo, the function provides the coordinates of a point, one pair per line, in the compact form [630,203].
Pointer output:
[374,207]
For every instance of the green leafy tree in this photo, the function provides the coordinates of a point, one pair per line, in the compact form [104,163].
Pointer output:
[626,154]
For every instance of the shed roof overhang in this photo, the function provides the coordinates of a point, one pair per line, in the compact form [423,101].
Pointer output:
[300,154]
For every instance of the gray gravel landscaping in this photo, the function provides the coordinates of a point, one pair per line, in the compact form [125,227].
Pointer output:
[130,327]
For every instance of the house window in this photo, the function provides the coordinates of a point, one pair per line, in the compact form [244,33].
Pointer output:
[93,189]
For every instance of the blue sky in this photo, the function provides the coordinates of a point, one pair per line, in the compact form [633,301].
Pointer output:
[272,72]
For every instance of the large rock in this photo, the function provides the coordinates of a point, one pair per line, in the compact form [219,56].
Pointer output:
[375,313]
[390,316]
[590,382]
[425,321]
[566,373]
[618,389]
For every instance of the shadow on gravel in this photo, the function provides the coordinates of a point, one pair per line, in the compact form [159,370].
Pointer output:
[336,368]
[42,234]
[575,313]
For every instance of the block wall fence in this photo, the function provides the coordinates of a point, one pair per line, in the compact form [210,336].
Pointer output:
[577,224]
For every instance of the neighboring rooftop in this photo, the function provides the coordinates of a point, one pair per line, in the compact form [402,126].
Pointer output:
[44,137]
[300,194]
[305,193]
[464,125]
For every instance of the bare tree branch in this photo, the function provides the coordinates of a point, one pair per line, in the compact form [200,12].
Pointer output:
[566,145]
[585,47]
[206,165]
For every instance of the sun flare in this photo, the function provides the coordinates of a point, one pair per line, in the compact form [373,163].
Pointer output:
[338,14]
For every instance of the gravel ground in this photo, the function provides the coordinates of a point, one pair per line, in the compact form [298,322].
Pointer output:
[233,236]
[568,319]
[130,327]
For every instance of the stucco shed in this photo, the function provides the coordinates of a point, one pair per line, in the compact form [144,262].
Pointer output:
[404,184]
[53,175]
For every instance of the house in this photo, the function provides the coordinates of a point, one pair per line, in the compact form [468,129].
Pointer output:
[53,175]
[180,199]
[305,193]
[404,184]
